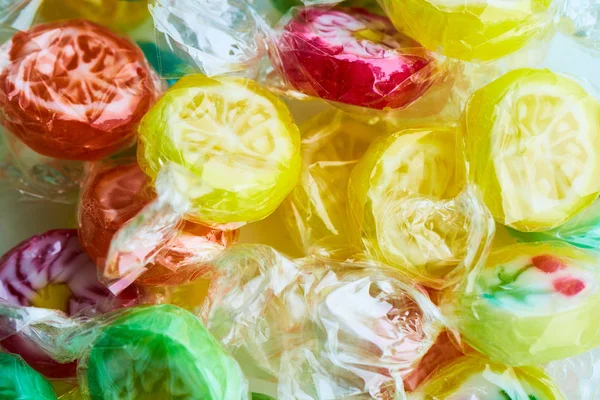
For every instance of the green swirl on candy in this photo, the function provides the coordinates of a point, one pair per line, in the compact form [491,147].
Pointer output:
[18,381]
[161,352]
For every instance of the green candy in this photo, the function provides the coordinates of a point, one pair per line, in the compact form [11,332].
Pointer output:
[18,381]
[260,396]
[161,352]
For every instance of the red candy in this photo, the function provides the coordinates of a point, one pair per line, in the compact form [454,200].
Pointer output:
[116,194]
[351,56]
[74,90]
[568,286]
[27,273]
[548,264]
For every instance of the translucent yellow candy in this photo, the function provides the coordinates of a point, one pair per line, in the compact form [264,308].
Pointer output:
[316,210]
[475,377]
[119,15]
[402,202]
[532,303]
[533,143]
[471,30]
[233,147]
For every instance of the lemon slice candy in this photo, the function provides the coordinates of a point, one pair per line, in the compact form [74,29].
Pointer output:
[533,143]
[401,198]
[235,147]
[479,30]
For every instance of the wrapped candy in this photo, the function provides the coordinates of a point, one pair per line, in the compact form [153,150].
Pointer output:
[471,30]
[113,194]
[221,152]
[52,271]
[531,303]
[474,377]
[19,381]
[532,143]
[411,209]
[353,57]
[579,376]
[73,90]
[325,329]
[316,210]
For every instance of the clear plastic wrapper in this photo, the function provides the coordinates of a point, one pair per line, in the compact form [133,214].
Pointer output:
[531,303]
[316,211]
[19,381]
[51,271]
[532,139]
[353,58]
[581,19]
[220,152]
[474,377]
[325,329]
[213,37]
[113,193]
[578,376]
[73,89]
[472,30]
[412,209]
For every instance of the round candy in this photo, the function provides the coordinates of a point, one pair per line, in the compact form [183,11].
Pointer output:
[471,30]
[402,203]
[116,14]
[52,271]
[351,56]
[533,145]
[74,90]
[18,381]
[161,352]
[532,303]
[113,196]
[475,377]
[233,147]
[316,210]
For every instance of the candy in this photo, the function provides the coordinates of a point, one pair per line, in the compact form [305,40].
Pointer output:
[74,90]
[532,303]
[161,352]
[233,148]
[351,56]
[18,381]
[479,30]
[325,329]
[533,144]
[404,205]
[52,271]
[111,196]
[316,210]
[115,14]
[477,378]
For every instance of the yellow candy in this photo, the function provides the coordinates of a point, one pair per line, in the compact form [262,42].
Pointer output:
[533,145]
[402,202]
[233,147]
[473,377]
[478,30]
[119,15]
[316,210]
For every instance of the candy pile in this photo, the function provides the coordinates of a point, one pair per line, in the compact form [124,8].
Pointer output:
[300,199]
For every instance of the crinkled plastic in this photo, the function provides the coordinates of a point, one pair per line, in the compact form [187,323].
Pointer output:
[221,152]
[474,377]
[74,90]
[578,376]
[532,145]
[325,329]
[19,381]
[113,193]
[316,210]
[581,19]
[352,57]
[531,303]
[411,208]
[479,31]
[52,271]
[213,36]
